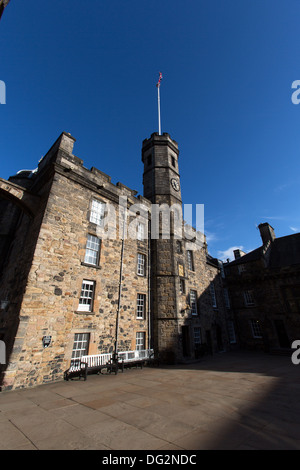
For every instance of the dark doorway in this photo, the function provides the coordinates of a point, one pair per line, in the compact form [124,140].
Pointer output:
[186,349]
[283,339]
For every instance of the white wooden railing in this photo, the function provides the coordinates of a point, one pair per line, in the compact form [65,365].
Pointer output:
[128,356]
[95,360]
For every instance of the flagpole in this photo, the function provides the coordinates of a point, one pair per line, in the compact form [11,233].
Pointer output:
[158,102]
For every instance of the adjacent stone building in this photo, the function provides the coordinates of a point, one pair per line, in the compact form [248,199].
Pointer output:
[264,292]
[89,267]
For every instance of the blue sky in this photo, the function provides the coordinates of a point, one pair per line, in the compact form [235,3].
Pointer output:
[90,68]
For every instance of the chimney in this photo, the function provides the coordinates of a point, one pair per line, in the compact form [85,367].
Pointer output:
[267,233]
[238,253]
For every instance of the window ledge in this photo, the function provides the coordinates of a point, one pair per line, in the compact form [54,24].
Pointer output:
[84,312]
[90,265]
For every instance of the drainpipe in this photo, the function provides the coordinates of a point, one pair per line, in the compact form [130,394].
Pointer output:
[149,284]
[115,358]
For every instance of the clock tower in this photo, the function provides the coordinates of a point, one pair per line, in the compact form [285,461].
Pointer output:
[162,187]
[161,174]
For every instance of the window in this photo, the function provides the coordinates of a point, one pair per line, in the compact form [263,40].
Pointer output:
[81,345]
[173,161]
[140,231]
[182,286]
[140,340]
[231,332]
[149,159]
[92,250]
[141,306]
[221,266]
[197,335]
[255,326]
[248,298]
[141,264]
[241,268]
[291,296]
[97,212]
[179,246]
[193,302]
[190,261]
[87,296]
[226,298]
[213,295]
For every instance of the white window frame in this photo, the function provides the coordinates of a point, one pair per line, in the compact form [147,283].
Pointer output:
[141,264]
[141,306]
[140,340]
[92,250]
[193,301]
[80,345]
[140,231]
[86,296]
[248,298]
[255,327]
[97,212]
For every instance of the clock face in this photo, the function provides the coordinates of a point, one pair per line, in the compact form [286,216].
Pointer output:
[175,184]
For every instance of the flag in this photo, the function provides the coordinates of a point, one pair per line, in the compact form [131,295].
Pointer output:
[159,80]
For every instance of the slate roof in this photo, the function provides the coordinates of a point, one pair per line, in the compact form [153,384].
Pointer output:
[284,251]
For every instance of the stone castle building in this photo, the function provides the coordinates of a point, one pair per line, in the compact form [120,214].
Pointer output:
[82,270]
[264,291]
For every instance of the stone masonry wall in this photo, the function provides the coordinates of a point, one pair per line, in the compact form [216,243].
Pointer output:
[50,301]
